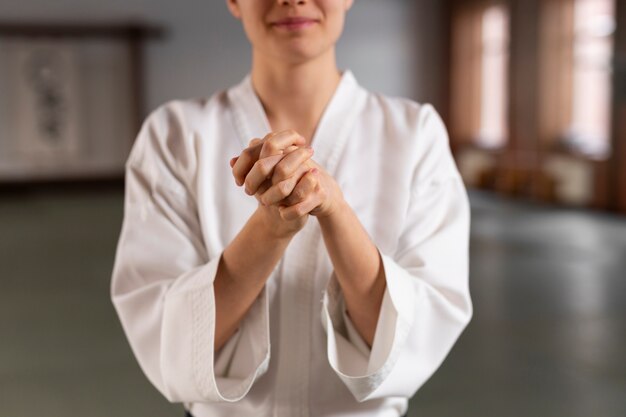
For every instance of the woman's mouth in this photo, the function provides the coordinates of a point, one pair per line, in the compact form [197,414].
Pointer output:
[296,23]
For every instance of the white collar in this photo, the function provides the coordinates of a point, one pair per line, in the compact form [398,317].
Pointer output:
[332,131]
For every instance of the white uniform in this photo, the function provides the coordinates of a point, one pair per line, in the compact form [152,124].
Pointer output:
[392,160]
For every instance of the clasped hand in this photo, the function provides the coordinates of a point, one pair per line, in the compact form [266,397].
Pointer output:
[279,172]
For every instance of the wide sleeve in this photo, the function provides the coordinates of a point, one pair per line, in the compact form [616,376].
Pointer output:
[426,304]
[162,282]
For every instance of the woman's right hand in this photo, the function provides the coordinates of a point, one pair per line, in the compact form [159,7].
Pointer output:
[274,222]
[293,166]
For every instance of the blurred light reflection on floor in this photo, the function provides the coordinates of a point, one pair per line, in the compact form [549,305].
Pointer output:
[548,336]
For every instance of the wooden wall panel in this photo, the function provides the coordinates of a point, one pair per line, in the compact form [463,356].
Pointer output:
[617,176]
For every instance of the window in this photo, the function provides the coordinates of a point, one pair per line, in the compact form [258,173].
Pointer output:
[494,71]
[594,25]
[480,61]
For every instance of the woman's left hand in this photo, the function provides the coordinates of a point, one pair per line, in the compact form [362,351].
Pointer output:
[316,192]
[309,190]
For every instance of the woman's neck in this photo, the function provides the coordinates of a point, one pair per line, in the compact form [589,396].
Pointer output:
[294,96]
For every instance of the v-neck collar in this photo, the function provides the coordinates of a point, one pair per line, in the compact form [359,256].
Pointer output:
[331,132]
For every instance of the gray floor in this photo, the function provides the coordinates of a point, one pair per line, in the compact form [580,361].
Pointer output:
[548,336]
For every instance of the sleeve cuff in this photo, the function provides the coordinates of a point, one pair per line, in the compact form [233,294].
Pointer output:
[190,366]
[363,369]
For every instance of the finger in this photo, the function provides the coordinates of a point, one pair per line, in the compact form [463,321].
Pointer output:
[261,170]
[262,188]
[287,166]
[281,190]
[278,192]
[300,209]
[291,148]
[245,161]
[309,199]
[233,160]
[304,187]
[254,141]
[265,185]
[275,144]
[250,155]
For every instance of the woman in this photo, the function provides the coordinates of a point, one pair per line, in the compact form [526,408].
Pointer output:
[241,306]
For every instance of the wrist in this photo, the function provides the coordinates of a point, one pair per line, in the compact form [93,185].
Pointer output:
[340,209]
[268,232]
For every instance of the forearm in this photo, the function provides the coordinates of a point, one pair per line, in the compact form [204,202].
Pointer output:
[244,267]
[358,268]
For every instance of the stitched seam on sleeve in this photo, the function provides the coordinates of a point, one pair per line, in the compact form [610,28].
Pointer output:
[202,352]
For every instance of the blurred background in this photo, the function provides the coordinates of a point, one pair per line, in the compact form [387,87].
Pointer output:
[534,96]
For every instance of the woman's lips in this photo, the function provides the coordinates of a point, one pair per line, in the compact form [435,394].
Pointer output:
[295,24]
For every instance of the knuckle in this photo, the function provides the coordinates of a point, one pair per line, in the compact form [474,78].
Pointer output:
[281,171]
[284,188]
[264,167]
[302,171]
[258,165]
[269,136]
[269,146]
[299,194]
[311,183]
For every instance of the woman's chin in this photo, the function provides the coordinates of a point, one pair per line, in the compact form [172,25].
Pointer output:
[299,52]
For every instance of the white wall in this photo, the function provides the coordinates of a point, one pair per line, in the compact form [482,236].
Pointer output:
[390,45]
